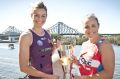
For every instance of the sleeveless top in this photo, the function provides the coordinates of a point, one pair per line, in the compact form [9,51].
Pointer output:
[90,59]
[40,53]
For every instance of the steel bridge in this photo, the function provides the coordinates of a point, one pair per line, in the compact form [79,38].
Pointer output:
[12,31]
[11,34]
[63,29]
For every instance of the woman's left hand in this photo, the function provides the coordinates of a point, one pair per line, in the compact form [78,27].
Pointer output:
[56,43]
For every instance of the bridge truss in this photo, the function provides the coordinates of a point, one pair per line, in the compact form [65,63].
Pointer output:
[11,31]
[62,29]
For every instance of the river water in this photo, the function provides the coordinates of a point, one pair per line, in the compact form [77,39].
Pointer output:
[9,67]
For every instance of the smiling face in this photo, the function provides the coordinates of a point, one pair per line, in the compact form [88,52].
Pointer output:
[39,17]
[91,27]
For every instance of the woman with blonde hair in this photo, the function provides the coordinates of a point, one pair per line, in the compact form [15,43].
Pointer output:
[97,59]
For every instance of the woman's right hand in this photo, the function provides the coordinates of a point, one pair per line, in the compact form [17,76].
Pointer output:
[74,59]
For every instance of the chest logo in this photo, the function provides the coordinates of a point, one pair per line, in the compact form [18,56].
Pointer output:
[40,43]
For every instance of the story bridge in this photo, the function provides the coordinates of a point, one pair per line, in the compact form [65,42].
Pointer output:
[63,29]
[11,34]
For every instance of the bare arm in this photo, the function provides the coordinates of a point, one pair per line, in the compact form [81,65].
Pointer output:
[108,62]
[24,45]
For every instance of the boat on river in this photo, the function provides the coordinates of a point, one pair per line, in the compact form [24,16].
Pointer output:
[11,46]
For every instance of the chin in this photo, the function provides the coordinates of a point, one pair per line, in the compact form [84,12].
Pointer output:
[89,36]
[40,24]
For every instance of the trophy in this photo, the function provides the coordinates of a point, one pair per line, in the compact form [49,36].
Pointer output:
[65,52]
[66,60]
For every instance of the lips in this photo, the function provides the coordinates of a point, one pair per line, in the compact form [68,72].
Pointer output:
[92,33]
[39,22]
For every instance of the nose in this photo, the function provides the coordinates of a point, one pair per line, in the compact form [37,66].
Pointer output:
[91,29]
[39,17]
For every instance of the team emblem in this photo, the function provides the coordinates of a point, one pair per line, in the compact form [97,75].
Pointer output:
[39,42]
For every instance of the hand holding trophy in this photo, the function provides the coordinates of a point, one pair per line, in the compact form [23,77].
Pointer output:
[66,50]
[56,55]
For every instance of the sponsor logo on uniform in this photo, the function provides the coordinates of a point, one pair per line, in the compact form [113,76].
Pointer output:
[90,62]
[40,43]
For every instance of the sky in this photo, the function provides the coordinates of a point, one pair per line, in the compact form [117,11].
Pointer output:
[70,12]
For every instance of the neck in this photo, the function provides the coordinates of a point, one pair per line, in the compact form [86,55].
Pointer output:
[37,27]
[38,30]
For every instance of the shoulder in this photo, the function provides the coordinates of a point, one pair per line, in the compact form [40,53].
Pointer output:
[106,48]
[105,45]
[26,36]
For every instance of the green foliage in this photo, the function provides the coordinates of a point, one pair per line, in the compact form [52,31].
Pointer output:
[56,36]
[114,39]
[78,40]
